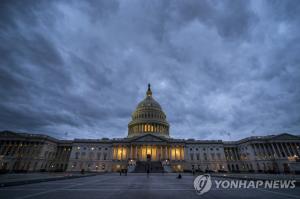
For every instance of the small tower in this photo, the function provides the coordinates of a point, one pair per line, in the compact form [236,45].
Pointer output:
[149,92]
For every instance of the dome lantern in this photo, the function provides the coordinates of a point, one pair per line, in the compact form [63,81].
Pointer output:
[149,92]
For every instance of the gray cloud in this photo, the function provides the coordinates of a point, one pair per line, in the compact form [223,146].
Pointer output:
[221,70]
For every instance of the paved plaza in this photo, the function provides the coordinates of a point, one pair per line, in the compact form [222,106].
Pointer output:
[133,186]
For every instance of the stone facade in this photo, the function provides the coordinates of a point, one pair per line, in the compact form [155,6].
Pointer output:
[148,141]
[31,152]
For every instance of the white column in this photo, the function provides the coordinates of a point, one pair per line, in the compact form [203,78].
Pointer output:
[278,149]
[258,151]
[175,152]
[265,151]
[161,152]
[287,149]
[113,149]
[122,152]
[297,149]
[269,151]
[284,151]
[235,153]
[180,156]
[273,148]
[254,150]
[166,152]
[292,148]
[262,150]
[171,152]
[136,152]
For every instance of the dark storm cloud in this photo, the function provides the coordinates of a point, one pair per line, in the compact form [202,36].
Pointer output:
[220,69]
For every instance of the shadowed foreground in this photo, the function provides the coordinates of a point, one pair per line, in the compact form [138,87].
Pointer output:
[133,186]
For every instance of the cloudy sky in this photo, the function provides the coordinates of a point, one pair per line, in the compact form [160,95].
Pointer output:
[220,69]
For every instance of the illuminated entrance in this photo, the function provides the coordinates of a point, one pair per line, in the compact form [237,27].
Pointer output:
[148,157]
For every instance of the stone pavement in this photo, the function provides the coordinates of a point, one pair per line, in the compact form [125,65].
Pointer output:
[12,179]
[254,176]
[138,186]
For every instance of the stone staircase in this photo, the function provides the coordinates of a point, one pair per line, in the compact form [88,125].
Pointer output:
[131,168]
[154,167]
[167,169]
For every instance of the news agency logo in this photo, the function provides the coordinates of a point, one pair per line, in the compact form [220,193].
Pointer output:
[203,184]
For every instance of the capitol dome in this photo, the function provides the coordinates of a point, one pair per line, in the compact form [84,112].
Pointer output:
[148,117]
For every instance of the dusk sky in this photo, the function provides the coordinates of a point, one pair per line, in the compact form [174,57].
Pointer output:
[220,69]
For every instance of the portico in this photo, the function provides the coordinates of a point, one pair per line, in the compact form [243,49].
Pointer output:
[140,152]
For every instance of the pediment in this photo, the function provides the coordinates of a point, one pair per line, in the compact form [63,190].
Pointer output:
[286,136]
[149,138]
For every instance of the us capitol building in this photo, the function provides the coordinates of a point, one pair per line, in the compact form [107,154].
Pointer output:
[149,146]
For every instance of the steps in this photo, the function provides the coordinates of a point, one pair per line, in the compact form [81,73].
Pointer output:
[167,168]
[131,168]
[154,167]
